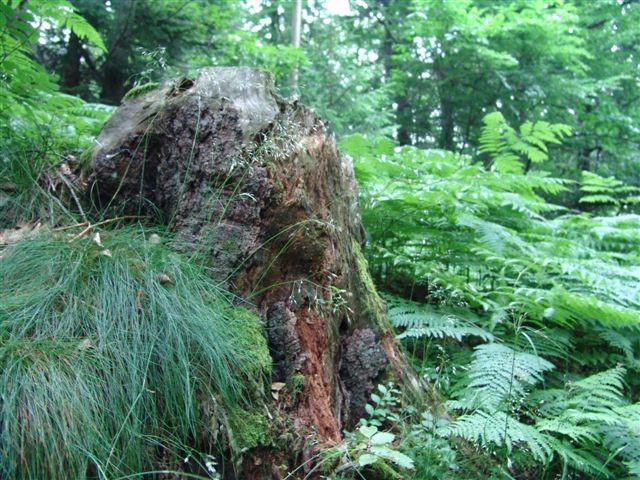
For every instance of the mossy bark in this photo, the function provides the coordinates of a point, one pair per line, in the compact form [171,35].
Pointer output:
[255,186]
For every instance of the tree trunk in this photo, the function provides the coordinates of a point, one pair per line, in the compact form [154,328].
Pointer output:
[403,111]
[255,185]
[115,70]
[70,76]
[447,124]
[296,23]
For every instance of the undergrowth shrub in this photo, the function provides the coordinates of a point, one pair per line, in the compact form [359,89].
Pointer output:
[113,349]
[525,315]
[39,125]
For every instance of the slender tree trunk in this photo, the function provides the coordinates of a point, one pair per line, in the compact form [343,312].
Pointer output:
[115,70]
[70,77]
[296,22]
[403,111]
[447,123]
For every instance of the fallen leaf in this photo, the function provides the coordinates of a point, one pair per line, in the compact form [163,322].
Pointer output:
[97,240]
[139,295]
[12,235]
[85,344]
[163,278]
[154,239]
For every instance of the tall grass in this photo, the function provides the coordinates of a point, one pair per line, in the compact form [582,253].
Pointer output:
[108,350]
[22,198]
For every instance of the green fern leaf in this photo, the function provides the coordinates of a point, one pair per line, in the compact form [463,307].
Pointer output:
[498,374]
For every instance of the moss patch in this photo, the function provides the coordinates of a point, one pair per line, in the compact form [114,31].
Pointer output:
[294,384]
[253,342]
[140,89]
[372,303]
[249,429]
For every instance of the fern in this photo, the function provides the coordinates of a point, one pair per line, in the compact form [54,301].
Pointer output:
[498,375]
[581,459]
[501,430]
[490,253]
[603,191]
[622,439]
[421,320]
[507,147]
[64,14]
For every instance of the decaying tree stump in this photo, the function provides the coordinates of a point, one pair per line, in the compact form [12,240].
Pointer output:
[255,185]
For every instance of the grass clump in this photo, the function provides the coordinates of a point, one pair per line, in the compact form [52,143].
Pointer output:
[111,350]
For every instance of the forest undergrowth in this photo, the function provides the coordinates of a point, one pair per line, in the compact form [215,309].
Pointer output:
[522,313]
[519,311]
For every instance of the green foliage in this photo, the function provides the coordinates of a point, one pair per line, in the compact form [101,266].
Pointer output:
[527,313]
[609,191]
[367,448]
[383,406]
[64,14]
[506,147]
[422,320]
[500,429]
[38,124]
[112,347]
[524,307]
[574,63]
[499,375]
[377,448]
[29,92]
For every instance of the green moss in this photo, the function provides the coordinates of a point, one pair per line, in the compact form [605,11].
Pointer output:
[140,89]
[249,429]
[372,303]
[295,384]
[252,342]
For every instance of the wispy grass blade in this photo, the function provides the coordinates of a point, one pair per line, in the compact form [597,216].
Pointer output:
[104,345]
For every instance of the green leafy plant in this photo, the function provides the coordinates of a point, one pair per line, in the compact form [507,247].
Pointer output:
[375,446]
[368,447]
[607,192]
[39,125]
[514,306]
[383,407]
[507,148]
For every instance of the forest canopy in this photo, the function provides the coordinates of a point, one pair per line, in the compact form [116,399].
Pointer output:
[496,147]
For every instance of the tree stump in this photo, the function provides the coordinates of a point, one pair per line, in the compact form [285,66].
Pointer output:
[255,186]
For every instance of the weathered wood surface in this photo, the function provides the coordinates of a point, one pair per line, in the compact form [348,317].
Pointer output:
[255,186]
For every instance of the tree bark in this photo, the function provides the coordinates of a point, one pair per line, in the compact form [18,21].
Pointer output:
[115,70]
[255,185]
[296,23]
[70,76]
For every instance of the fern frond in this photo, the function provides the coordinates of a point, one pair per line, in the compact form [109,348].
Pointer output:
[579,458]
[622,340]
[600,391]
[422,320]
[576,433]
[500,429]
[64,14]
[499,373]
